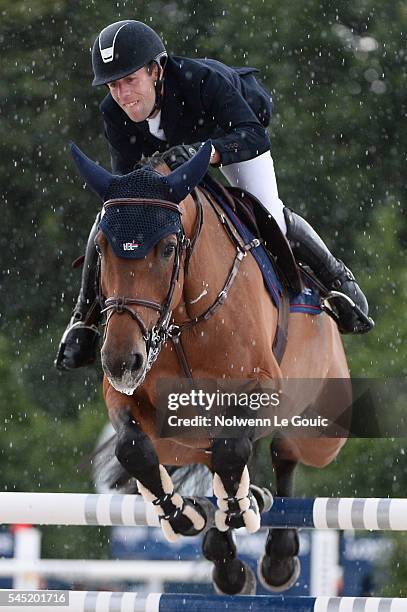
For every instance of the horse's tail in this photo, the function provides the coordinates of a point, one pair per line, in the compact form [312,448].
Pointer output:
[109,475]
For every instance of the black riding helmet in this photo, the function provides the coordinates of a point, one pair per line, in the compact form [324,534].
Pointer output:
[124,47]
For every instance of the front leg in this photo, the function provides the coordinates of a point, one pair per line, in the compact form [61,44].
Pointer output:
[231,485]
[136,452]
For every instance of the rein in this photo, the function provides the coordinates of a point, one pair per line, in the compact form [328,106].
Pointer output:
[163,330]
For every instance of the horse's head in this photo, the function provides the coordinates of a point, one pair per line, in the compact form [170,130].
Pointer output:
[140,241]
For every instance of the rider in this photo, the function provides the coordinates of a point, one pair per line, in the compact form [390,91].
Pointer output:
[158,102]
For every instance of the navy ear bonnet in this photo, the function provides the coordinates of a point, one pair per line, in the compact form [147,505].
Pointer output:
[133,229]
[143,183]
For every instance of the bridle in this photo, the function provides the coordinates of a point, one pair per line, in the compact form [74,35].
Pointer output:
[164,329]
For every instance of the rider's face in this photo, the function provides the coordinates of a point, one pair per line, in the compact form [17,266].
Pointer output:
[135,93]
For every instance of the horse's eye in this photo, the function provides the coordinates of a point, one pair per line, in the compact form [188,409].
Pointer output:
[98,250]
[168,250]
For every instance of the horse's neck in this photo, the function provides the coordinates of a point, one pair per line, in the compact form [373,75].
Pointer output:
[211,259]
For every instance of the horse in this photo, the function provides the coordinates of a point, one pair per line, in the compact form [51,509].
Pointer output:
[169,271]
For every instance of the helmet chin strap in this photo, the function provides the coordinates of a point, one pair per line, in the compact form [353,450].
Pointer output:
[158,91]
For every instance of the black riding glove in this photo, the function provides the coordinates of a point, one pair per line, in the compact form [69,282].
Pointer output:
[178,155]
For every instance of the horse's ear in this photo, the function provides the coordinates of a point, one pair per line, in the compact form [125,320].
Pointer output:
[183,180]
[96,177]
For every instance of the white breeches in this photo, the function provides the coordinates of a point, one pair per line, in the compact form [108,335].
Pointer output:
[258,177]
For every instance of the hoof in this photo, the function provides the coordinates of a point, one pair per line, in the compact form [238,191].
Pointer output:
[200,514]
[288,581]
[263,497]
[207,510]
[248,588]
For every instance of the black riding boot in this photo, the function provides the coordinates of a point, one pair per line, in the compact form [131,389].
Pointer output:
[350,307]
[79,343]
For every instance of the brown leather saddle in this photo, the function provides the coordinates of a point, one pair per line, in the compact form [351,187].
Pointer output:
[257,219]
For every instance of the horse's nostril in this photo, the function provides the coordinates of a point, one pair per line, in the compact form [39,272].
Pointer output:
[136,362]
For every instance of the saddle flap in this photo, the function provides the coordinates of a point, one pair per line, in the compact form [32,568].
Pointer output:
[251,211]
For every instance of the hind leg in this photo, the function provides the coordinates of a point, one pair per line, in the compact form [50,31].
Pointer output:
[230,576]
[279,568]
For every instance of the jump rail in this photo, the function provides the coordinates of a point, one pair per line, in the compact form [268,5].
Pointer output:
[99,601]
[113,509]
[108,571]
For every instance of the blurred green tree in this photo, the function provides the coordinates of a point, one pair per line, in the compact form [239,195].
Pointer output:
[337,72]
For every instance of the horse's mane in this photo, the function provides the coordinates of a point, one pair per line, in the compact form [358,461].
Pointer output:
[155,160]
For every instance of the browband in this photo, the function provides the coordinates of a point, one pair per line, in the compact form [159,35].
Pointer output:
[142,202]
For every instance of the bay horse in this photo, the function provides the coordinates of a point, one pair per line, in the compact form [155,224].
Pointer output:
[166,267]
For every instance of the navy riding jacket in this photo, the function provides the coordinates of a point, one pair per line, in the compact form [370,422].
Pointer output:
[202,99]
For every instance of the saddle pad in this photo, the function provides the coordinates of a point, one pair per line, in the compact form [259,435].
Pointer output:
[307,301]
